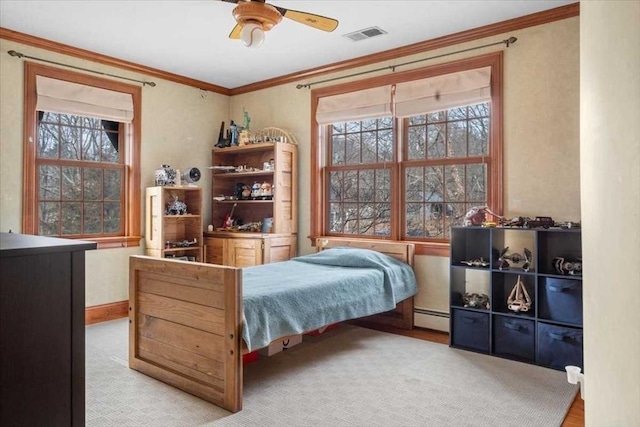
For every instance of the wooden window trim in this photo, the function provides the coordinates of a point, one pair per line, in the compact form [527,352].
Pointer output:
[495,178]
[132,227]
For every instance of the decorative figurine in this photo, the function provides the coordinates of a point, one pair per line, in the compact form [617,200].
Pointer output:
[519,299]
[234,134]
[222,141]
[476,262]
[477,215]
[246,118]
[165,176]
[176,207]
[563,266]
[503,259]
[476,300]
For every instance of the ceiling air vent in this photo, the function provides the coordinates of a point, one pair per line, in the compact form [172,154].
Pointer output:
[367,33]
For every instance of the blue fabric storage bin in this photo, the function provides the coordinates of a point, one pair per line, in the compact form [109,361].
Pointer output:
[470,330]
[560,300]
[559,346]
[514,338]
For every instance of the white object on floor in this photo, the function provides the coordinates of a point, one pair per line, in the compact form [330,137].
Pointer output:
[574,376]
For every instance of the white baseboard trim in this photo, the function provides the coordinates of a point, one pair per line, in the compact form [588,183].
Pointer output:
[431,319]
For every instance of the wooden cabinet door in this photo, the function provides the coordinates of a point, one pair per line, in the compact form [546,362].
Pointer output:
[280,249]
[214,250]
[244,252]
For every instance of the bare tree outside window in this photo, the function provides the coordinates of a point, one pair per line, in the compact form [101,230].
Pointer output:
[80,175]
[445,173]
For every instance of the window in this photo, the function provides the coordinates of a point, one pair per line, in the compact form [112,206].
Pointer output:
[81,162]
[399,167]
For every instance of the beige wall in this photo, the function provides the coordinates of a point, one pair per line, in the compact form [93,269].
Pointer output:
[610,163]
[541,133]
[179,126]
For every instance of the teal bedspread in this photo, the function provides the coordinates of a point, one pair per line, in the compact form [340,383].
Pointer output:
[311,291]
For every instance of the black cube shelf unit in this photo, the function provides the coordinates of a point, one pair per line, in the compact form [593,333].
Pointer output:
[550,332]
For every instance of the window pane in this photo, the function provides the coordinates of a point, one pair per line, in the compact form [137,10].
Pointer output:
[350,218]
[477,183]
[457,113]
[417,143]
[434,184]
[385,146]
[49,182]
[47,141]
[382,226]
[418,120]
[350,186]
[367,218]
[71,216]
[339,127]
[48,218]
[93,218]
[385,122]
[49,117]
[366,191]
[92,184]
[335,186]
[369,124]
[110,147]
[112,184]
[457,139]
[435,141]
[353,149]
[91,145]
[459,210]
[71,183]
[479,110]
[455,182]
[383,185]
[478,137]
[112,213]
[336,224]
[70,137]
[415,220]
[369,147]
[434,224]
[337,150]
[438,116]
[414,178]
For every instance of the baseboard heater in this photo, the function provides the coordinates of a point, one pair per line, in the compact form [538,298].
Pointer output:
[431,319]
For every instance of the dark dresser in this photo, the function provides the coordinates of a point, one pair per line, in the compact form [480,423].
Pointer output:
[42,334]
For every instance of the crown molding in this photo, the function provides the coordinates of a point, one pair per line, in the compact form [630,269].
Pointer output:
[539,18]
[106,60]
[534,19]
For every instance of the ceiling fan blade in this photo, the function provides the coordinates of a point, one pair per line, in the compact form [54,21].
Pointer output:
[235,33]
[316,21]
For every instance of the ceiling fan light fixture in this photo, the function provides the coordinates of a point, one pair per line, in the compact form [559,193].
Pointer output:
[252,34]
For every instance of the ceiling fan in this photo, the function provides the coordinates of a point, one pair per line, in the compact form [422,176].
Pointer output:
[254,17]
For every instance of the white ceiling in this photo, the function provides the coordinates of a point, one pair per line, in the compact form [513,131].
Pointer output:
[190,37]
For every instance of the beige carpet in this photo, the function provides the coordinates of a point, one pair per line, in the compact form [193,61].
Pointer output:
[348,377]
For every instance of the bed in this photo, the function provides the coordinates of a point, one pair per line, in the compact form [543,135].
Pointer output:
[190,323]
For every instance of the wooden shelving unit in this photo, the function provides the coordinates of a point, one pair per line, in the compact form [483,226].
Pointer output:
[171,235]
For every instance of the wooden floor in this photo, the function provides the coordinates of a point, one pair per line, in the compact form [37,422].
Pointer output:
[575,417]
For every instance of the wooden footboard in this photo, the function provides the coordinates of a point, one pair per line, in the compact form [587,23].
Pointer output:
[185,322]
[185,327]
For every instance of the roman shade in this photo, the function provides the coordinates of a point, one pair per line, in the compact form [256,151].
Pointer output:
[362,104]
[59,96]
[442,92]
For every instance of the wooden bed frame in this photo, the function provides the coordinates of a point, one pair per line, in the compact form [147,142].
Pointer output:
[185,321]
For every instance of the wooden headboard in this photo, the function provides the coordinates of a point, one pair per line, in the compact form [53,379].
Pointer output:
[402,316]
[399,250]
